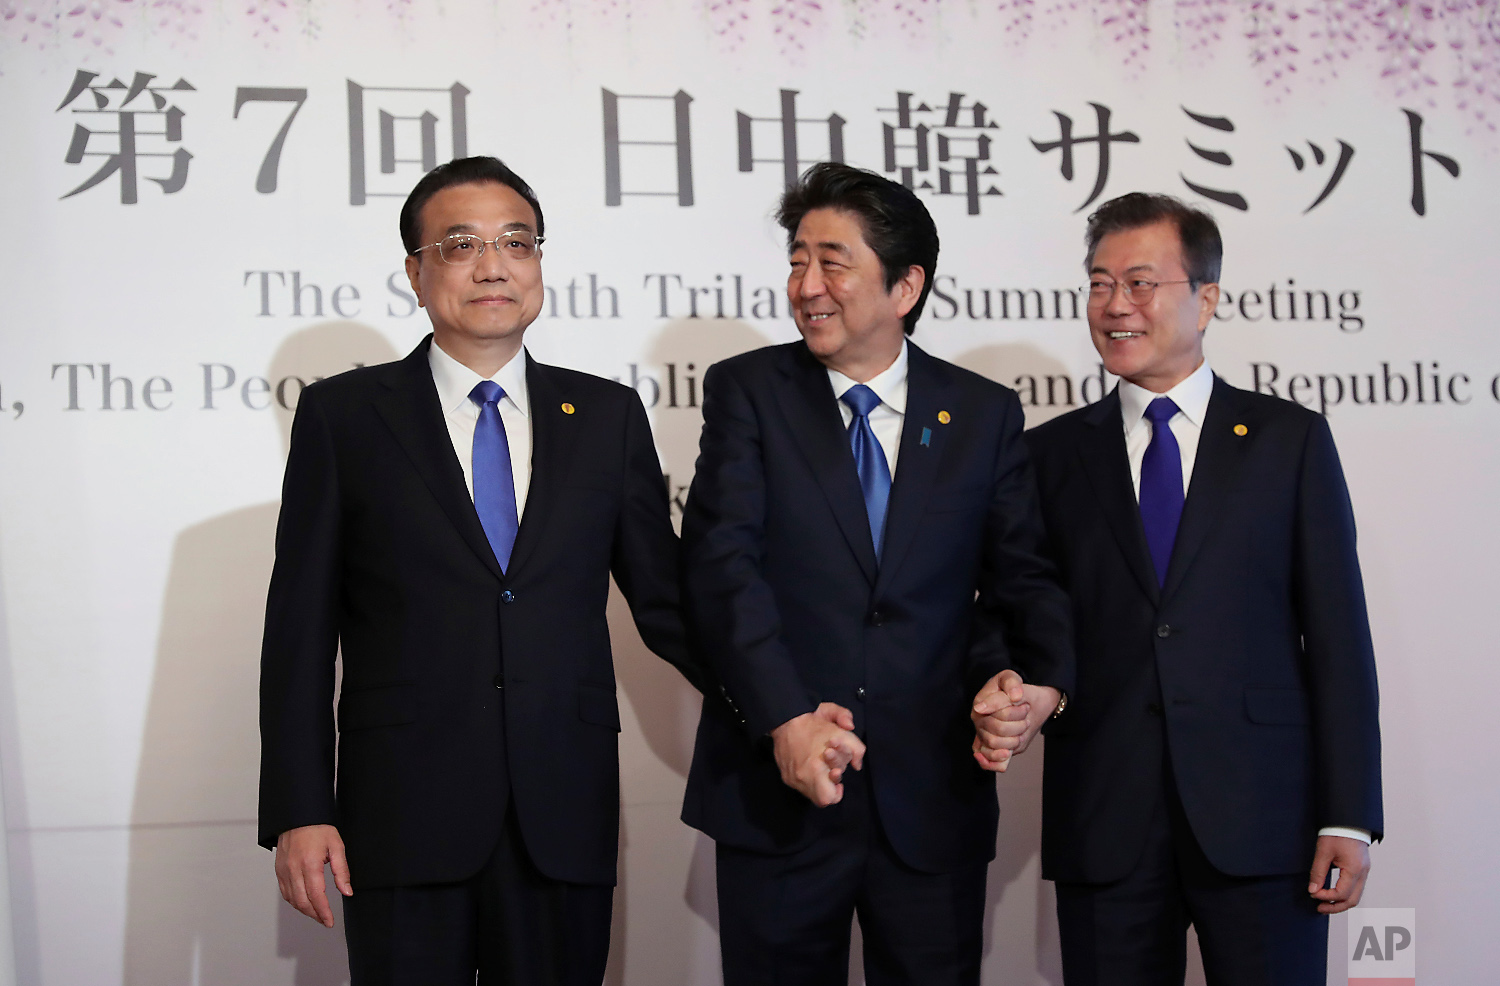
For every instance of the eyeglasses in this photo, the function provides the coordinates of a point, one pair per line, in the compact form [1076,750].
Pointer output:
[1139,290]
[463,249]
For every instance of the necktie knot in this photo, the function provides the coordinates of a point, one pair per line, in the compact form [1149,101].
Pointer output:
[486,392]
[1160,411]
[861,400]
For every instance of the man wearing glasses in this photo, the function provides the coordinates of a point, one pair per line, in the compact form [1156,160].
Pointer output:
[1221,752]
[450,523]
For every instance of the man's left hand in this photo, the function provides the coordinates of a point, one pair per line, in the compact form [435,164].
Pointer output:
[1352,857]
[1007,714]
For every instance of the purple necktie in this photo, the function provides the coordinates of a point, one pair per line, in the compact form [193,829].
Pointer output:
[869,459]
[1161,486]
[494,481]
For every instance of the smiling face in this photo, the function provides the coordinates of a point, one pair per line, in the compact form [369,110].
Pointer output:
[836,290]
[1158,344]
[484,307]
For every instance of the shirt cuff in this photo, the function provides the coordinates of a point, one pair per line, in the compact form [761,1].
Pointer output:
[1363,835]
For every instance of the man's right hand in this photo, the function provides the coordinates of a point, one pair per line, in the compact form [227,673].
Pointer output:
[301,854]
[813,749]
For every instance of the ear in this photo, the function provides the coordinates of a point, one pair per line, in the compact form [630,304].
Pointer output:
[908,289]
[1208,303]
[413,269]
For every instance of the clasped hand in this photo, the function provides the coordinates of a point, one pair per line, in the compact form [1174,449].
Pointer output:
[1007,714]
[813,750]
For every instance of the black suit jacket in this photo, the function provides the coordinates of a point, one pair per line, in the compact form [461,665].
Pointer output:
[791,608]
[462,687]
[1252,664]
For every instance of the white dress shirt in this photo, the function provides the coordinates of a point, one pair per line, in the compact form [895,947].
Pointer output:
[454,382]
[1191,397]
[887,416]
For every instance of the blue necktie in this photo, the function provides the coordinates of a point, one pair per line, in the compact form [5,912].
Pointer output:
[1161,486]
[869,459]
[494,483]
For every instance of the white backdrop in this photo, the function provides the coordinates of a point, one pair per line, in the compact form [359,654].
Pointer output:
[136,517]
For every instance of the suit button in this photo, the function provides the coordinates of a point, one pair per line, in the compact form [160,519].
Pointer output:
[507,596]
[877,619]
[859,693]
[1153,708]
[500,681]
[1164,631]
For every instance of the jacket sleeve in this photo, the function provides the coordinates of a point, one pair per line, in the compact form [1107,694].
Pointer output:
[645,556]
[301,637]
[731,607]
[1330,599]
[1022,617]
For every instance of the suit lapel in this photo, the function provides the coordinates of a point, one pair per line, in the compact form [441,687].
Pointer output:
[549,446]
[408,402]
[1102,451]
[929,389]
[1215,468]
[812,417]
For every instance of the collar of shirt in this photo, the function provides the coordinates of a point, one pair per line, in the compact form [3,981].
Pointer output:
[456,381]
[1191,397]
[889,385]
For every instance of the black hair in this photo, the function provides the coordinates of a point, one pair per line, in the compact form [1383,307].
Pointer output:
[1202,249]
[460,171]
[895,223]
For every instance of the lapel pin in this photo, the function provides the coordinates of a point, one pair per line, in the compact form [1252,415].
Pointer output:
[926,436]
[1241,430]
[568,408]
[944,417]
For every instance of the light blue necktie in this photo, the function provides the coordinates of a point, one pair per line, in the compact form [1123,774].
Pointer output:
[1161,486]
[869,459]
[494,482]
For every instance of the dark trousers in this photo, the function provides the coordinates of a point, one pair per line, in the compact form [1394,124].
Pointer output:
[786,919]
[1252,931]
[508,922]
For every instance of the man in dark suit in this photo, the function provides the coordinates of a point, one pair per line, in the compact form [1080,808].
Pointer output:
[863,568]
[1222,750]
[450,523]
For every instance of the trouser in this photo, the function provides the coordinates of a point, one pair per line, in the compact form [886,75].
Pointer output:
[509,923]
[786,919]
[1252,931]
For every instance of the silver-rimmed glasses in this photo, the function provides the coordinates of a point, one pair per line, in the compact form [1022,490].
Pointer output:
[1139,290]
[462,249]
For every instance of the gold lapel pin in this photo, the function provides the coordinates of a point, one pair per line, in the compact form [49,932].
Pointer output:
[944,417]
[1241,430]
[568,408]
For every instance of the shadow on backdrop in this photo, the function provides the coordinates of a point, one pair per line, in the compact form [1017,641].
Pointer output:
[1043,382]
[20,870]
[202,904]
[669,382]
[670,385]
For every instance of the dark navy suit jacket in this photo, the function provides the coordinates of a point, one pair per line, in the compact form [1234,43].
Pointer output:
[791,608]
[464,689]
[1252,664]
